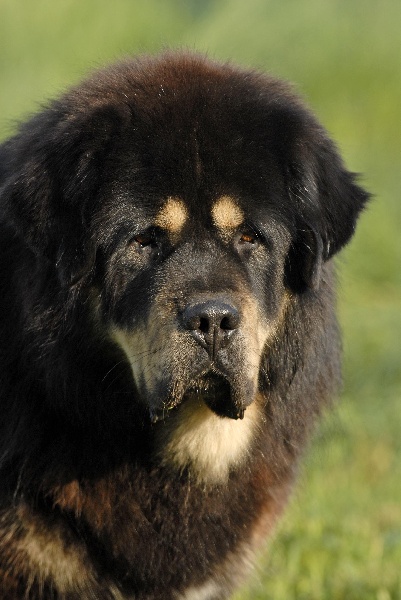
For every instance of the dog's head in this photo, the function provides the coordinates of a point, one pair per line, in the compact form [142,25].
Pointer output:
[194,200]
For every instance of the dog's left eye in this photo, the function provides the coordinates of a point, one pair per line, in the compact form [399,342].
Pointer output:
[248,238]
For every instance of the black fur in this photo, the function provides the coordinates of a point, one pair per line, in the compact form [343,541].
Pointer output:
[89,507]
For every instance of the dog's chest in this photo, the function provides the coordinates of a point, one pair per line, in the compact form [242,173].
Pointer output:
[209,446]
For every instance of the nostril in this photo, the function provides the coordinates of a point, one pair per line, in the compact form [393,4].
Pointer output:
[230,321]
[204,325]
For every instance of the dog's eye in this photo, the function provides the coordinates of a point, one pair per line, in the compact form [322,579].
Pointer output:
[246,241]
[143,241]
[248,238]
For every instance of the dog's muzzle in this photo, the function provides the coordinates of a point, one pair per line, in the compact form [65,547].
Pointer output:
[213,323]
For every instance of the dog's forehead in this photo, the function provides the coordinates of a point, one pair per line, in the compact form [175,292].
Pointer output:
[225,213]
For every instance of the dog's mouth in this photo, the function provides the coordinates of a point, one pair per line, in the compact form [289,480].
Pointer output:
[215,391]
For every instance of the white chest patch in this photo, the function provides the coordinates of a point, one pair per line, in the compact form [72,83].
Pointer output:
[209,445]
[204,592]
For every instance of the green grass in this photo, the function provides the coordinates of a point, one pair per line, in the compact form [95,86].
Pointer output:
[341,538]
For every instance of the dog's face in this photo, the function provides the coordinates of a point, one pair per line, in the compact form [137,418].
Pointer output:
[194,293]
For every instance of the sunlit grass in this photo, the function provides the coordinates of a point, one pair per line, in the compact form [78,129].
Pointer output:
[341,538]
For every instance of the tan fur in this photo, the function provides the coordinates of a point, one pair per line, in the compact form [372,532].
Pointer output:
[57,561]
[117,595]
[136,347]
[256,332]
[172,216]
[68,497]
[263,330]
[210,445]
[226,213]
[43,550]
[94,502]
[204,592]
[147,354]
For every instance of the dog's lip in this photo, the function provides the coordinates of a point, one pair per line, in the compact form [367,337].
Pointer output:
[212,388]
[216,391]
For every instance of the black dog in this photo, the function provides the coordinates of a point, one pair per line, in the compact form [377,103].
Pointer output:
[168,333]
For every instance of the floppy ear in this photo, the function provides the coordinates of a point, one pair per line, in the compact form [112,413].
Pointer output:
[305,260]
[51,170]
[327,204]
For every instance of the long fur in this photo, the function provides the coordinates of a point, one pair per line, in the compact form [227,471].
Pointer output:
[116,482]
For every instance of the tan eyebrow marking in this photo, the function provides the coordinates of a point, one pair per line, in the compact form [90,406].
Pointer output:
[172,215]
[226,213]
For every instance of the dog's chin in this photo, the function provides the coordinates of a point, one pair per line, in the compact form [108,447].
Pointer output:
[214,390]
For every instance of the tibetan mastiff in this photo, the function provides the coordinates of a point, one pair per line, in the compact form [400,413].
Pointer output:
[168,331]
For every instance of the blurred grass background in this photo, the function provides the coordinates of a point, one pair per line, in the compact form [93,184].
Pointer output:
[341,538]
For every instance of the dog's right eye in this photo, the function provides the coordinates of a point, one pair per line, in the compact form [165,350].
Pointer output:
[143,242]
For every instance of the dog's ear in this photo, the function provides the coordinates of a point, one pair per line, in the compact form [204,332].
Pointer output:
[51,171]
[305,260]
[327,201]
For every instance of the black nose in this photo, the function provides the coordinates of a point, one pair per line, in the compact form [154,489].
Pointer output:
[211,323]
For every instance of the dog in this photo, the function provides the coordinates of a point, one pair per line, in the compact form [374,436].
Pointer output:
[168,329]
